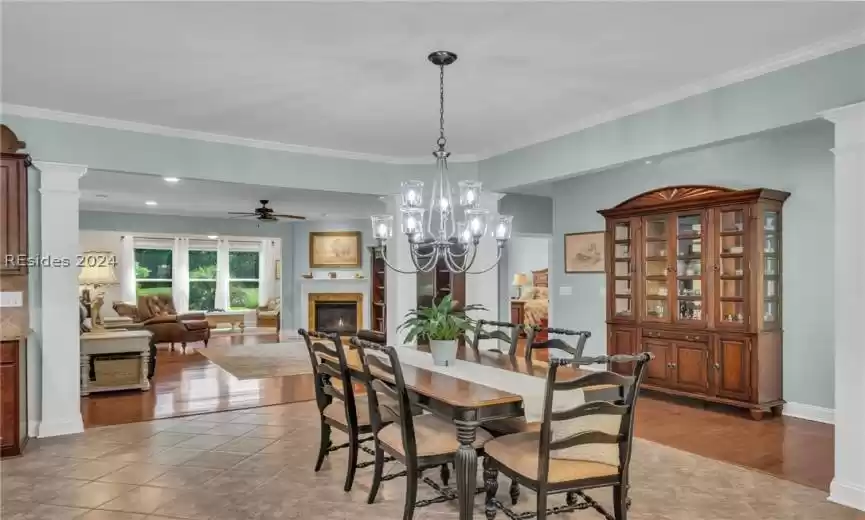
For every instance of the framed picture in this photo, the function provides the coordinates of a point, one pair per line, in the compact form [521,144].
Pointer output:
[584,252]
[334,249]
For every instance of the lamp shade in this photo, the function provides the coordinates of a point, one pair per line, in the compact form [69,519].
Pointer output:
[520,279]
[97,268]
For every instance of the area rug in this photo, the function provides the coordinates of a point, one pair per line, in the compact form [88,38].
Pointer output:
[289,358]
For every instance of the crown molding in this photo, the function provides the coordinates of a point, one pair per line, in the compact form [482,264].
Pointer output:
[796,57]
[789,59]
[166,131]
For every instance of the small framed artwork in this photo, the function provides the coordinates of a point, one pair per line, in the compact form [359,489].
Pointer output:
[584,252]
[334,249]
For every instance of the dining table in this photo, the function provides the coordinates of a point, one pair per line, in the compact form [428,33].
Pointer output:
[469,404]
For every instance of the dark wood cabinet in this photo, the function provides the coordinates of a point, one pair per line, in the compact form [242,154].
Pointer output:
[694,277]
[13,398]
[13,213]
[378,293]
[623,340]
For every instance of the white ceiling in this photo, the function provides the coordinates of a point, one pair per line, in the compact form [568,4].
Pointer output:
[128,192]
[354,76]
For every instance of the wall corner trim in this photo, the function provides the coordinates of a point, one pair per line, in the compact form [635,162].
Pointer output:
[847,494]
[810,412]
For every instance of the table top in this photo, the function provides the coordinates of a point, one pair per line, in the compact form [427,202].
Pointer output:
[115,334]
[461,393]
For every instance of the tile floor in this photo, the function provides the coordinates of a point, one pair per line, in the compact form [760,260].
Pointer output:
[257,464]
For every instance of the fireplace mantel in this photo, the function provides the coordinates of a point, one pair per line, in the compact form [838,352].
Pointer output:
[314,298]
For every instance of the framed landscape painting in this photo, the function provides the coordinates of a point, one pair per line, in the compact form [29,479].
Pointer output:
[334,249]
[584,252]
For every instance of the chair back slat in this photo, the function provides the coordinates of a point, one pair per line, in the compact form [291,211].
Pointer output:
[594,379]
[510,339]
[590,408]
[586,437]
[324,369]
[576,350]
[621,408]
[385,360]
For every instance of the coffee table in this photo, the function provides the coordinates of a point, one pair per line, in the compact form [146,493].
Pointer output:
[234,318]
[120,361]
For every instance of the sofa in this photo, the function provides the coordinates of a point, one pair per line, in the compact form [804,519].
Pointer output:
[269,315]
[157,314]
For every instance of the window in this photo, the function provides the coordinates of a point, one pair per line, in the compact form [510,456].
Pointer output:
[152,271]
[243,279]
[202,280]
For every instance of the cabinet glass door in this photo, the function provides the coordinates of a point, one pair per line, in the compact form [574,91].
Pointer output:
[623,270]
[730,265]
[771,283]
[656,268]
[690,267]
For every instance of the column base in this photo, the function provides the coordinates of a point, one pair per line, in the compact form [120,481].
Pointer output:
[847,494]
[55,428]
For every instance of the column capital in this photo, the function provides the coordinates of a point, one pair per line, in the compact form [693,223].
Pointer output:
[59,177]
[849,127]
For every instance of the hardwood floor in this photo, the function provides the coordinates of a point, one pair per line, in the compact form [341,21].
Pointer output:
[789,448]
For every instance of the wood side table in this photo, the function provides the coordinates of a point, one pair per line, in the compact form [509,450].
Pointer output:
[120,361]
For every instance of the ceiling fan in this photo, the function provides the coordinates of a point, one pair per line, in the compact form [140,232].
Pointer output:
[264,214]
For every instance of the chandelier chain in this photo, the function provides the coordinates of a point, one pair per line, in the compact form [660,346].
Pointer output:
[442,140]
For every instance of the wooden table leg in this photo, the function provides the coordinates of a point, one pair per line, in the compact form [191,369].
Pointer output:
[85,375]
[466,463]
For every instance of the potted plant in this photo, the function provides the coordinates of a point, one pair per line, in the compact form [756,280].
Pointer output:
[442,325]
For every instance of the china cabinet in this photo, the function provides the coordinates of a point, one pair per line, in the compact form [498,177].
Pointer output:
[694,277]
[378,292]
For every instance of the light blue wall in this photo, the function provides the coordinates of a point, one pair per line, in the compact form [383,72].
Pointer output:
[777,99]
[795,159]
[139,223]
[301,254]
[532,214]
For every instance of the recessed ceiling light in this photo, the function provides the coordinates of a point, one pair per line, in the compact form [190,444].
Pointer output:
[648,161]
[151,203]
[213,237]
[172,180]
[101,196]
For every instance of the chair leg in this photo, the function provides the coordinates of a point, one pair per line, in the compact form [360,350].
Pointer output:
[445,474]
[620,503]
[491,486]
[378,469]
[411,478]
[353,447]
[184,347]
[514,492]
[171,347]
[324,444]
[542,504]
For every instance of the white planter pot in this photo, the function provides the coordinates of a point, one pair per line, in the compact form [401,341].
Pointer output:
[444,352]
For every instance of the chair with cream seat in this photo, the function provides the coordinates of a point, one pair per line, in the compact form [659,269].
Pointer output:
[581,448]
[484,330]
[419,442]
[338,405]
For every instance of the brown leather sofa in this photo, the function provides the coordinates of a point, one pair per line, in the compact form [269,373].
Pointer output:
[156,313]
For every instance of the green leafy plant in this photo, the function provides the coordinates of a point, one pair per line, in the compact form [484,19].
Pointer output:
[441,322]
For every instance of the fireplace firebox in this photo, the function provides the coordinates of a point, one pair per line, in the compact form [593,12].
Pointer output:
[339,317]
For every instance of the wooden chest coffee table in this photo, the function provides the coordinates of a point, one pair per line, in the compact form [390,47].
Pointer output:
[234,318]
[114,360]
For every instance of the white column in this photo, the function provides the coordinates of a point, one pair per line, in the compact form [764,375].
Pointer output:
[848,486]
[401,288]
[483,289]
[61,408]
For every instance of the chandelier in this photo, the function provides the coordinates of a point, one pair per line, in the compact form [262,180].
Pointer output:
[438,234]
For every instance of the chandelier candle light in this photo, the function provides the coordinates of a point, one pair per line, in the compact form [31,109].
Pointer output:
[443,237]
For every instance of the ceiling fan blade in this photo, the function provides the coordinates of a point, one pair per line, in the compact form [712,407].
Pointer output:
[282,215]
[244,213]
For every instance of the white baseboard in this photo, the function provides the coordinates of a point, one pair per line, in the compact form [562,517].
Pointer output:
[847,494]
[32,429]
[810,412]
[55,428]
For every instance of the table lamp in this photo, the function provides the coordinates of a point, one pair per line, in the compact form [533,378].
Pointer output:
[97,270]
[520,280]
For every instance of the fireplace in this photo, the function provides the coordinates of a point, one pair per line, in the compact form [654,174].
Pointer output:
[336,312]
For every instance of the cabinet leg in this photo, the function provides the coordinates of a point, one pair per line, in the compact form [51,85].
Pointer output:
[757,414]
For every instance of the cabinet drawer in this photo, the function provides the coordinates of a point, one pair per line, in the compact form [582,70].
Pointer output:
[693,337]
[9,352]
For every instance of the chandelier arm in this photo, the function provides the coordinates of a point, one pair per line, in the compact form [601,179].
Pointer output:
[416,251]
[494,264]
[451,265]
[462,254]
[382,253]
[429,265]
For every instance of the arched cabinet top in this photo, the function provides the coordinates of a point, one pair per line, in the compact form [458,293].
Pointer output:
[671,198]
